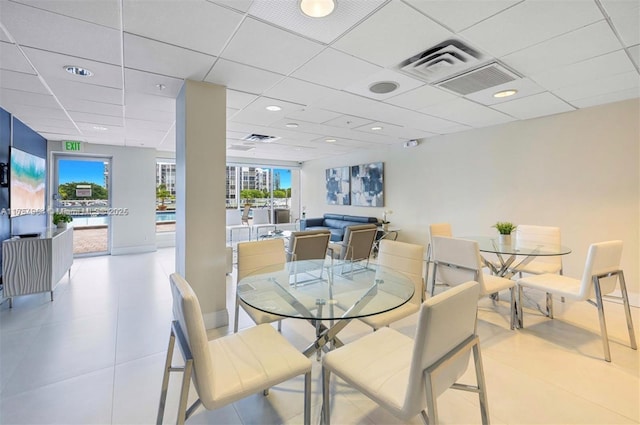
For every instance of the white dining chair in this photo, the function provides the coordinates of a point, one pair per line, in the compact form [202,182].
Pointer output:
[435,229]
[261,220]
[601,273]
[234,222]
[530,236]
[458,260]
[405,375]
[229,368]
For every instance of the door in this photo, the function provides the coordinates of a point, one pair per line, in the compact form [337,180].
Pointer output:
[82,190]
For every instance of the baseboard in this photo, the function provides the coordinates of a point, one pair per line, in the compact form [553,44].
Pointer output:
[138,249]
[216,319]
[166,239]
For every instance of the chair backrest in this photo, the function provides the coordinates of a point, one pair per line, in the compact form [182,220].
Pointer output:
[245,212]
[261,216]
[234,217]
[406,258]
[445,321]
[530,236]
[256,255]
[440,229]
[358,241]
[308,245]
[457,261]
[186,310]
[603,257]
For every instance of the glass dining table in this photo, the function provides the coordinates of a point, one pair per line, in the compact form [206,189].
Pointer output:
[513,256]
[322,293]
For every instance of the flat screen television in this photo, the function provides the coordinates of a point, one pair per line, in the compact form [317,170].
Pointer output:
[27,180]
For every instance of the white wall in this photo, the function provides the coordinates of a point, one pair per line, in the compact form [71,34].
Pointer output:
[133,187]
[577,170]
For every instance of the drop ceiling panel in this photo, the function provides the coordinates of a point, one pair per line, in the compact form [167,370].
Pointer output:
[288,15]
[534,106]
[103,12]
[12,59]
[312,115]
[31,27]
[625,15]
[21,82]
[240,5]
[460,14]
[634,51]
[150,102]
[266,47]
[11,97]
[197,25]
[298,91]
[348,121]
[258,114]
[614,83]
[95,119]
[148,125]
[95,107]
[335,69]
[238,99]
[586,71]
[65,89]
[241,77]
[149,55]
[468,113]
[403,82]
[33,113]
[147,82]
[607,98]
[524,86]
[584,43]
[394,33]
[428,123]
[140,112]
[421,97]
[529,23]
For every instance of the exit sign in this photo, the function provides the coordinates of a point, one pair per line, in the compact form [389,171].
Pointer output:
[72,146]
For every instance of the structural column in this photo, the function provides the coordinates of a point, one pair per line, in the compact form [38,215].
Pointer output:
[200,195]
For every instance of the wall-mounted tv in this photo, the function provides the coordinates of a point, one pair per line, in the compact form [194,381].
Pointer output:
[27,181]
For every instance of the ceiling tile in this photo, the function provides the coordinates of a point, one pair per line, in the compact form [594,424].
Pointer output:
[150,102]
[22,82]
[613,83]
[314,115]
[524,86]
[421,97]
[12,97]
[31,27]
[348,121]
[617,96]
[529,23]
[147,83]
[149,55]
[240,5]
[393,34]
[12,59]
[625,15]
[257,113]
[465,112]
[65,89]
[287,14]
[534,106]
[298,91]
[241,77]
[634,51]
[584,43]
[460,14]
[95,107]
[102,12]
[238,99]
[197,25]
[586,71]
[95,119]
[403,82]
[270,48]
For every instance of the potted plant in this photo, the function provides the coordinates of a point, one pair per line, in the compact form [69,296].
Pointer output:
[161,194]
[505,228]
[61,220]
[385,222]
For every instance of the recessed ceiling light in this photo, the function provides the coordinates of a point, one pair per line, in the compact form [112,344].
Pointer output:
[505,93]
[383,87]
[330,140]
[76,70]
[291,125]
[317,8]
[273,108]
[376,128]
[100,128]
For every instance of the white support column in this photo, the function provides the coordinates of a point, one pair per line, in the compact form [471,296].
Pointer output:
[200,195]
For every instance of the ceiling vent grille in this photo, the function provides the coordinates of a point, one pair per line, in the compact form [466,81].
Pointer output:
[478,79]
[243,148]
[260,138]
[442,61]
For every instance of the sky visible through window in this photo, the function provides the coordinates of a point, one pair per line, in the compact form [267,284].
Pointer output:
[70,170]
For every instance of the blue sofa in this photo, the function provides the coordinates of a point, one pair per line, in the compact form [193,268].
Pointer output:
[335,223]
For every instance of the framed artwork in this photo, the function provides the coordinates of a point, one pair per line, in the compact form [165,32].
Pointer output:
[367,185]
[338,189]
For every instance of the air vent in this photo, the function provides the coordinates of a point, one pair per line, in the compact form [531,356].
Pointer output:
[260,138]
[442,61]
[243,148]
[478,79]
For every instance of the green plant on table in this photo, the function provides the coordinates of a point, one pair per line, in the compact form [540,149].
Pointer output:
[61,218]
[505,227]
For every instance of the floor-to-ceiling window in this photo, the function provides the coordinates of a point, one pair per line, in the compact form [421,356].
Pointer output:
[165,195]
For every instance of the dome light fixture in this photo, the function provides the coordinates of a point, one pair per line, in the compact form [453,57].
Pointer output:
[77,70]
[291,125]
[505,93]
[317,8]
[376,128]
[273,108]
[383,87]
[330,140]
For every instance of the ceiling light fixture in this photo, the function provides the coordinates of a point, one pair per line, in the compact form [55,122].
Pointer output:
[273,108]
[100,128]
[317,8]
[377,128]
[505,93]
[330,140]
[291,125]
[76,70]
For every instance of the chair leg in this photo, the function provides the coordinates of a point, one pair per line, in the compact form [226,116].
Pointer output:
[307,398]
[184,392]
[280,326]
[433,279]
[482,388]
[236,315]
[165,379]
[425,417]
[513,312]
[326,414]
[520,311]
[549,305]
[627,311]
[603,324]
[432,405]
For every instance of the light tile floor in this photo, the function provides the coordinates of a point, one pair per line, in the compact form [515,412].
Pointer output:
[95,355]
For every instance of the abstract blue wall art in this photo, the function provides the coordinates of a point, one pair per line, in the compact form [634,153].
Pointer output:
[367,185]
[338,192]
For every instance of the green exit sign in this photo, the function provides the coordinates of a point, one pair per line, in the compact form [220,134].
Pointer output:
[72,146]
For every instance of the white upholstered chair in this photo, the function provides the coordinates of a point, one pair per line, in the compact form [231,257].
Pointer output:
[405,258]
[601,272]
[234,222]
[253,256]
[261,220]
[406,375]
[530,236]
[458,260]
[229,368]
[436,229]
